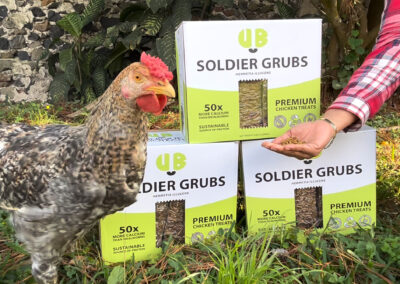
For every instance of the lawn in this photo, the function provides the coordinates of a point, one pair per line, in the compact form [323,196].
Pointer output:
[291,256]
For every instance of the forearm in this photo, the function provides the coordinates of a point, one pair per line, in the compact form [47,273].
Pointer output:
[378,77]
[341,118]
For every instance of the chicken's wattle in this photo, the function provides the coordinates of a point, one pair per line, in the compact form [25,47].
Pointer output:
[152,103]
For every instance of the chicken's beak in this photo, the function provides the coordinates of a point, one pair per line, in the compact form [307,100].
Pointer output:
[163,88]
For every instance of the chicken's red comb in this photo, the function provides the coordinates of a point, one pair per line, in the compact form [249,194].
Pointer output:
[156,67]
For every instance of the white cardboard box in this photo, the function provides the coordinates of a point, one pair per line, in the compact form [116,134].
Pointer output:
[202,178]
[343,179]
[283,59]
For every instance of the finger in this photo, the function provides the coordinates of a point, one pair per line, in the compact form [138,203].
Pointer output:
[296,154]
[290,153]
[283,137]
[272,146]
[299,151]
[307,149]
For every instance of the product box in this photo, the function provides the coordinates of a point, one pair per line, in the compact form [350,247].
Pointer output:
[334,191]
[188,193]
[243,80]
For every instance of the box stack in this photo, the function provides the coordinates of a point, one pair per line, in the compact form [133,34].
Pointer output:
[188,193]
[243,80]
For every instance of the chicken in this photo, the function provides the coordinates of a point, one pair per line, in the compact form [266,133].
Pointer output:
[57,181]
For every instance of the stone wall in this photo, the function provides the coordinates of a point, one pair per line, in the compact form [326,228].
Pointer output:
[28,27]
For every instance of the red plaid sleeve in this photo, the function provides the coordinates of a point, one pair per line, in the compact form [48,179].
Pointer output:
[379,76]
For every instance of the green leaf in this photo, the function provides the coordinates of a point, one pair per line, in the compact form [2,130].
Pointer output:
[336,85]
[44,54]
[71,23]
[155,5]
[51,62]
[131,40]
[99,80]
[59,88]
[355,33]
[354,42]
[285,11]
[86,61]
[92,10]
[181,11]
[301,238]
[70,72]
[116,65]
[117,275]
[174,264]
[100,58]
[166,50]
[127,27]
[360,50]
[343,73]
[96,40]
[65,56]
[152,24]
[187,278]
[89,96]
[111,36]
[133,13]
[351,57]
[116,54]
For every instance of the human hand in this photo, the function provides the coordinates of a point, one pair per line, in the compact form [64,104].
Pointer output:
[315,136]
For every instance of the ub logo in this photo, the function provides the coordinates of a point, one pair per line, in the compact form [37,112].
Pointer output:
[171,163]
[253,39]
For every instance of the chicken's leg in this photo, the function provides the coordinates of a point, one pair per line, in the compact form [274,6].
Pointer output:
[44,240]
[44,267]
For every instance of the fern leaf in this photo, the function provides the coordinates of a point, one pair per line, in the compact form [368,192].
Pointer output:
[166,49]
[111,36]
[127,27]
[59,88]
[65,56]
[92,10]
[85,63]
[285,11]
[71,23]
[70,72]
[100,57]
[133,13]
[99,80]
[131,40]
[96,40]
[156,5]
[181,11]
[151,25]
[116,55]
[88,95]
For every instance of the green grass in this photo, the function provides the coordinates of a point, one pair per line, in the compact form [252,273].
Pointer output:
[35,113]
[291,256]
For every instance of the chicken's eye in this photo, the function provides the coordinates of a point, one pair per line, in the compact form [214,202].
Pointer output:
[137,78]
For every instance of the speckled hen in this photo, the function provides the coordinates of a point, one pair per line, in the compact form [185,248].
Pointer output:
[58,180]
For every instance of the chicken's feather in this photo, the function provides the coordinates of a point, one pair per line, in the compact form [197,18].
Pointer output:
[31,157]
